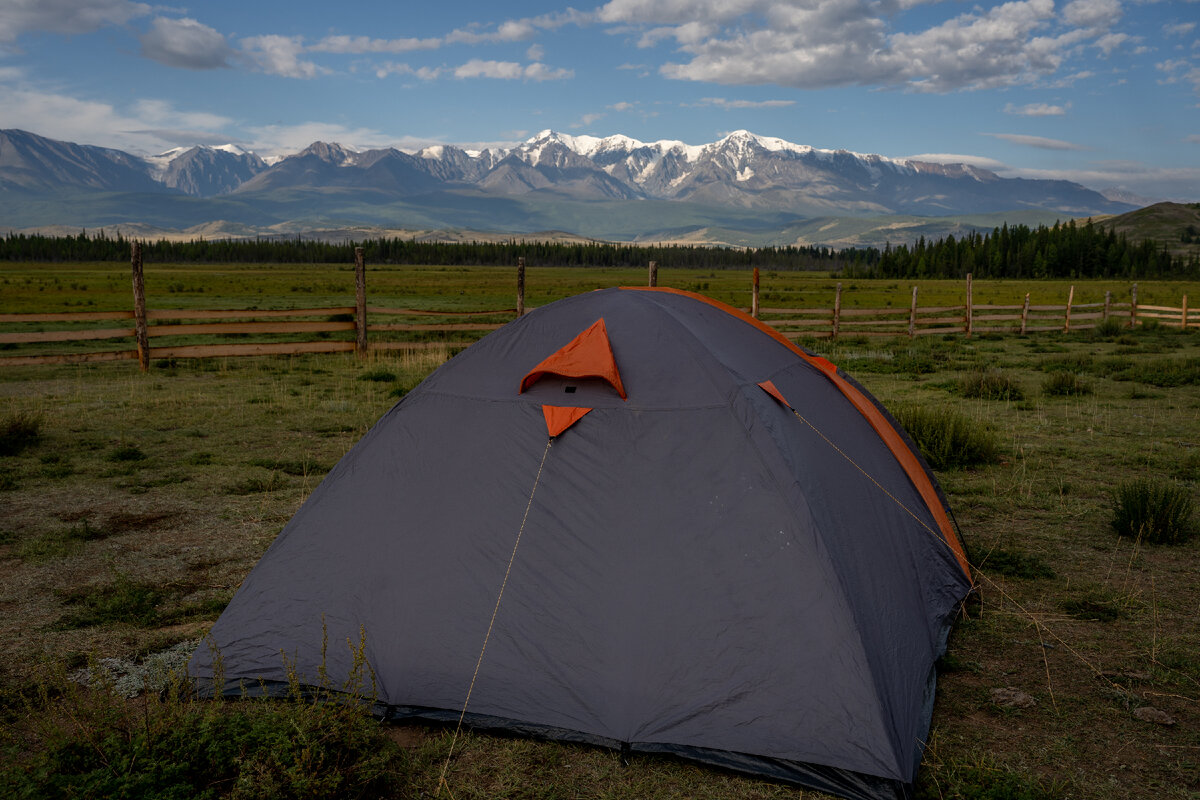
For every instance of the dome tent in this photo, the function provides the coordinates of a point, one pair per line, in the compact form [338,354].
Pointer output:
[705,540]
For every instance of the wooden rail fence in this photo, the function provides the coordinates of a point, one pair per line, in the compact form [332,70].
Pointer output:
[417,329]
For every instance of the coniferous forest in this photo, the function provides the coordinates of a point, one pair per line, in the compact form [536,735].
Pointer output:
[1063,251]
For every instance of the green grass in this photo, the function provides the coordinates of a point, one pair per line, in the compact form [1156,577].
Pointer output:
[991,384]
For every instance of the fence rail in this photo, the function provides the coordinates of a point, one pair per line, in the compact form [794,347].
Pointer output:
[415,329]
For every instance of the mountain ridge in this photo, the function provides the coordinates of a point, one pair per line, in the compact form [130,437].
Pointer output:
[551,181]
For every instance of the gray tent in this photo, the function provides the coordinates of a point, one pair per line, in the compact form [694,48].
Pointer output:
[706,541]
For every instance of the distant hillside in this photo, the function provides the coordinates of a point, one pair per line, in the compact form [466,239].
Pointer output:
[1164,223]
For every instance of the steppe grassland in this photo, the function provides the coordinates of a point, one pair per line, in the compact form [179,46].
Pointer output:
[168,486]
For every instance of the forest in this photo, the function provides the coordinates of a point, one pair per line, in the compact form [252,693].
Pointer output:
[1062,251]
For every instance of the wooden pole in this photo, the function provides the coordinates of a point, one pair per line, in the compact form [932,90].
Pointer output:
[654,273]
[139,306]
[754,296]
[912,315]
[969,321]
[521,286]
[1133,306]
[1107,304]
[360,302]
[1067,318]
[837,310]
[1183,316]
[1025,314]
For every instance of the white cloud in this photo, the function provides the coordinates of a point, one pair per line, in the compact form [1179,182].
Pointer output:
[1039,142]
[147,126]
[1092,13]
[1111,41]
[816,44]
[1193,138]
[279,55]
[535,52]
[510,70]
[396,68]
[185,43]
[64,16]
[955,158]
[360,45]
[721,102]
[587,119]
[1180,70]
[623,106]
[1179,29]
[1036,110]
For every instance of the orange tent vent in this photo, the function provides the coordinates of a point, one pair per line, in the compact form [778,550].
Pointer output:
[588,355]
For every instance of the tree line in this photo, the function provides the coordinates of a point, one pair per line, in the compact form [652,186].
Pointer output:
[1065,250]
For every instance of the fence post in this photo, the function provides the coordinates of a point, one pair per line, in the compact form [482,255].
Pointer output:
[912,315]
[1025,314]
[139,306]
[360,303]
[754,296]
[520,286]
[1133,307]
[1107,304]
[1183,315]
[969,321]
[1067,318]
[837,311]
[654,273]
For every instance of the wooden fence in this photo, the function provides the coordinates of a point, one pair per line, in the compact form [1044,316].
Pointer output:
[412,328]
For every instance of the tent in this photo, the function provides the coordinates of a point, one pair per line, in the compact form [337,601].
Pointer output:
[677,532]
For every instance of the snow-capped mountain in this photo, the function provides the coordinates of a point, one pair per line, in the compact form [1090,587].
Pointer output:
[741,174]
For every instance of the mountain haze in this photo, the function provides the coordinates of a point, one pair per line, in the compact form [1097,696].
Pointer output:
[614,187]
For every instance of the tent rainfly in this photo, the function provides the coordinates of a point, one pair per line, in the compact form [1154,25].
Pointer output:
[677,532]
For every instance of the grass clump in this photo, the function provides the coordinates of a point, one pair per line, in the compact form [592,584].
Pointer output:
[378,375]
[257,485]
[990,384]
[125,453]
[947,439]
[1109,328]
[301,467]
[19,432]
[1016,564]
[61,543]
[124,601]
[94,743]
[1064,383]
[1153,511]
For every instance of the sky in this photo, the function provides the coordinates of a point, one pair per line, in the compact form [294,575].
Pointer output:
[1102,92]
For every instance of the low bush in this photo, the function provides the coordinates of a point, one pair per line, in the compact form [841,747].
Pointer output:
[990,384]
[19,432]
[947,439]
[1064,384]
[1153,511]
[125,452]
[378,375]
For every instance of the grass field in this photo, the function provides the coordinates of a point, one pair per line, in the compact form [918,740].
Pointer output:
[133,511]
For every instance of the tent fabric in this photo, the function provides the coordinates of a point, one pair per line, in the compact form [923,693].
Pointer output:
[588,355]
[699,572]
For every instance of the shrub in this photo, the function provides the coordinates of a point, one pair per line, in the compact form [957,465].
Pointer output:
[947,439]
[19,432]
[1154,511]
[126,452]
[378,375]
[122,601]
[990,384]
[1109,328]
[1064,384]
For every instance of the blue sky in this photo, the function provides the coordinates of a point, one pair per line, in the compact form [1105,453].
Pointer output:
[1103,92]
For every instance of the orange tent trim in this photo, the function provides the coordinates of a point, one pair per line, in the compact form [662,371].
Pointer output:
[588,355]
[559,418]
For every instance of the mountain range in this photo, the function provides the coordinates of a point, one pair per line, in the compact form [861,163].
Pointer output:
[742,189]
